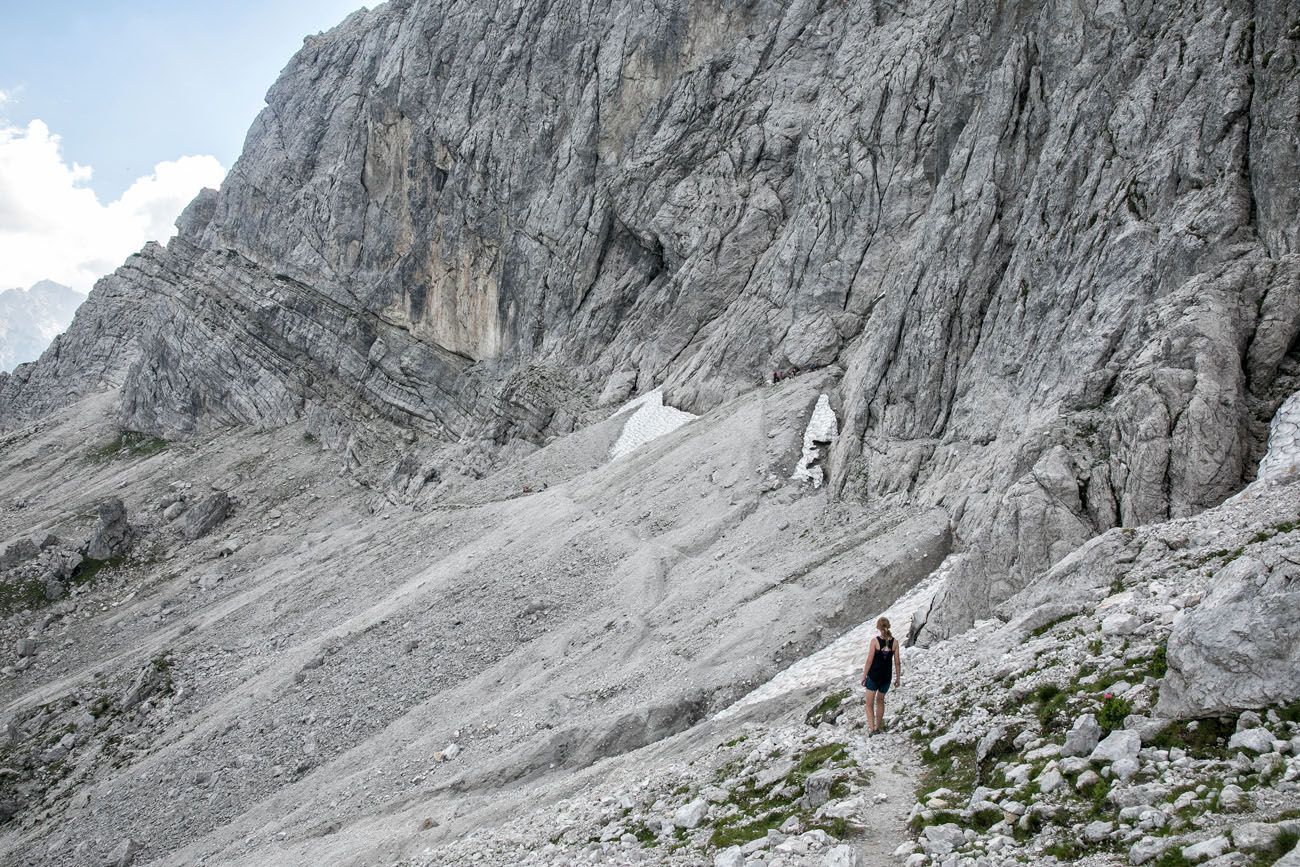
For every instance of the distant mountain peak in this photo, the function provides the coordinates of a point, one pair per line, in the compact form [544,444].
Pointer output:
[31,318]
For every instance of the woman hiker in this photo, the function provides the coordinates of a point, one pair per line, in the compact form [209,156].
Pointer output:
[883,655]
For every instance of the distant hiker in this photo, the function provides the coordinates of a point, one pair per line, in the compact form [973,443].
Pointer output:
[883,655]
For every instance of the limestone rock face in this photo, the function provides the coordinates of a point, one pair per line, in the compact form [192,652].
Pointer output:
[1258,665]
[1053,248]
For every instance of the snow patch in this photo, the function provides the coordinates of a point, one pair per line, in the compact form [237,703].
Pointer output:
[844,657]
[822,430]
[651,418]
[1283,458]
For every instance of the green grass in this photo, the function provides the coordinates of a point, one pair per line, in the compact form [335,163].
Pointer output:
[815,759]
[1063,850]
[1050,701]
[827,709]
[1049,626]
[1290,713]
[758,812]
[18,595]
[1205,741]
[1171,857]
[128,445]
[643,835]
[1112,713]
[953,768]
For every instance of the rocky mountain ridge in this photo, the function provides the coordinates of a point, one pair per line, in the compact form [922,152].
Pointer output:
[1035,281]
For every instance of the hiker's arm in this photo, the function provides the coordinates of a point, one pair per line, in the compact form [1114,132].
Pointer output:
[898,663]
[871,654]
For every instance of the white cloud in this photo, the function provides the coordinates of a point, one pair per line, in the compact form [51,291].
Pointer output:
[53,227]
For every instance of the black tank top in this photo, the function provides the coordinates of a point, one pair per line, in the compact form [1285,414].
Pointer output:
[883,662]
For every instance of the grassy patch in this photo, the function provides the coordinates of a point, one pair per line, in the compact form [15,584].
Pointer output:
[1202,739]
[759,811]
[128,445]
[1049,626]
[1050,700]
[827,709]
[1063,850]
[17,595]
[1289,713]
[815,759]
[1112,713]
[954,768]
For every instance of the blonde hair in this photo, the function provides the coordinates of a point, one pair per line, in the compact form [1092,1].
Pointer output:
[883,625]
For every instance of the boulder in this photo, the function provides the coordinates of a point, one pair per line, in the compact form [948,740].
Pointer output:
[817,789]
[1146,849]
[690,815]
[941,840]
[1252,740]
[1232,798]
[1049,781]
[729,857]
[1206,849]
[1256,836]
[770,775]
[1120,623]
[1260,666]
[841,856]
[112,535]
[1095,832]
[1083,736]
[1124,769]
[26,647]
[1118,745]
[206,514]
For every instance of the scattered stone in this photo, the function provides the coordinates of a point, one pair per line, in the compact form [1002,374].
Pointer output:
[26,647]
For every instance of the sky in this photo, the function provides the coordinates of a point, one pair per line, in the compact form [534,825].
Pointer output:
[115,113]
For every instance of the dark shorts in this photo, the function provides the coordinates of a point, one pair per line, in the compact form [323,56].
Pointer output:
[871,685]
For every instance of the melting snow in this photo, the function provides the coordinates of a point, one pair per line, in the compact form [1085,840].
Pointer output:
[844,657]
[650,420]
[1283,458]
[822,430]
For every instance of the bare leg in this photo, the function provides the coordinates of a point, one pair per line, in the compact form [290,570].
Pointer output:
[880,710]
[871,710]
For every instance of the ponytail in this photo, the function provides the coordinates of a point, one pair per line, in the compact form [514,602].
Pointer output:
[883,625]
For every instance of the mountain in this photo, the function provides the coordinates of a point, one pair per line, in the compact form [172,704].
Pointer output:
[31,318]
[981,313]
